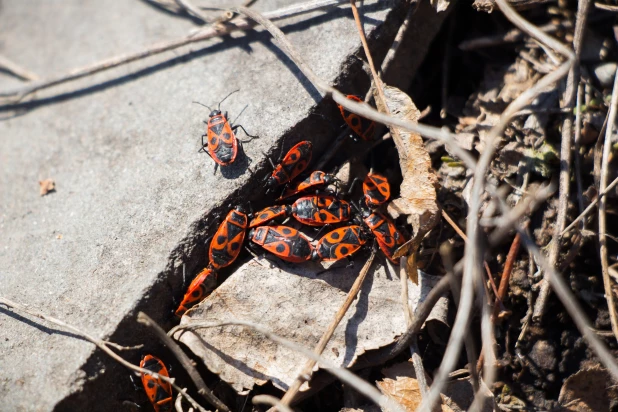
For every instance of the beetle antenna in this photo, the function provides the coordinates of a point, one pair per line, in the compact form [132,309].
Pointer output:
[202,104]
[219,107]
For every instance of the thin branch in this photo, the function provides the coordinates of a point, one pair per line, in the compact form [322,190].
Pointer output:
[473,250]
[307,370]
[511,36]
[17,94]
[184,360]
[591,205]
[401,33]
[381,100]
[362,109]
[15,69]
[193,11]
[607,281]
[465,239]
[577,142]
[101,345]
[272,401]
[420,316]
[565,157]
[506,275]
[607,7]
[344,375]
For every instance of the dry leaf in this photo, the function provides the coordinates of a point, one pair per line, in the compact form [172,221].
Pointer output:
[418,192]
[297,304]
[401,385]
[589,389]
[440,5]
[47,186]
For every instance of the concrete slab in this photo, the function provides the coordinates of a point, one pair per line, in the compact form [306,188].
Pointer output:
[134,200]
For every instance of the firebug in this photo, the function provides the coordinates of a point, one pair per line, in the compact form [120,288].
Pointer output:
[227,241]
[200,288]
[314,180]
[388,237]
[339,243]
[363,127]
[376,190]
[159,392]
[294,163]
[285,242]
[320,210]
[269,213]
[221,144]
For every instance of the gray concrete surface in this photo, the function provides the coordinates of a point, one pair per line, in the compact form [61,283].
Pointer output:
[134,200]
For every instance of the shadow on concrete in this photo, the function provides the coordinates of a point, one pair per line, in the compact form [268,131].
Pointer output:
[40,326]
[251,36]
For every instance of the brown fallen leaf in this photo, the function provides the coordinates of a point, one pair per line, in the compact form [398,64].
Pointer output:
[400,384]
[297,304]
[47,186]
[590,389]
[418,189]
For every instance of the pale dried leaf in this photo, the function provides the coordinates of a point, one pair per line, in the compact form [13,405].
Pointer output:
[401,385]
[46,186]
[297,304]
[589,389]
[440,5]
[418,189]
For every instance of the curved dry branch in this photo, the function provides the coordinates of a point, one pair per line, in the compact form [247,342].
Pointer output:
[344,375]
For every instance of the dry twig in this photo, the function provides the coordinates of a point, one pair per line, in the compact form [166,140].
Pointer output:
[272,401]
[307,370]
[591,205]
[15,69]
[344,375]
[565,156]
[362,109]
[607,281]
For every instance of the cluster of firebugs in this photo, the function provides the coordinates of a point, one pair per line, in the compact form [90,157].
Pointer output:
[289,244]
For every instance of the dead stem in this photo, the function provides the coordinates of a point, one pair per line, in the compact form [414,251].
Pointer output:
[307,370]
[342,374]
[272,401]
[474,250]
[506,275]
[16,70]
[103,345]
[465,239]
[577,142]
[591,205]
[401,32]
[381,101]
[441,134]
[184,360]
[502,290]
[607,282]
[17,94]
[565,157]
[511,36]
